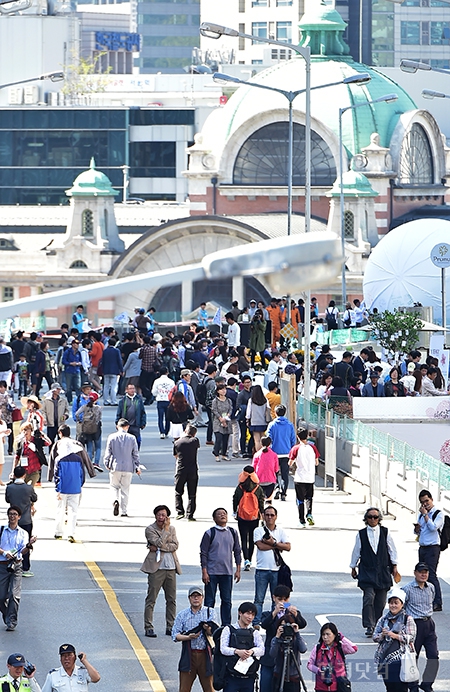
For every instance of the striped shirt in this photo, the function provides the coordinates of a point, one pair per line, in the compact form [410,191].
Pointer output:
[419,602]
[186,620]
[147,354]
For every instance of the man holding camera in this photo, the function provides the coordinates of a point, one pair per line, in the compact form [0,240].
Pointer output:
[20,675]
[287,637]
[69,673]
[193,627]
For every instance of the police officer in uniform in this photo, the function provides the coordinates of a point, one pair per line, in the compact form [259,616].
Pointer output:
[70,677]
[16,679]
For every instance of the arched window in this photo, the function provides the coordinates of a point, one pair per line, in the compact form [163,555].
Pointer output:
[87,223]
[263,158]
[349,225]
[416,160]
[105,219]
[78,264]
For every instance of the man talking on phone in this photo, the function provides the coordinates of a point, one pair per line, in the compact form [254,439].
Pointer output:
[82,675]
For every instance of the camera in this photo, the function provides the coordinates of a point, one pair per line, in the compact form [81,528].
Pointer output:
[29,668]
[288,631]
[266,534]
[327,675]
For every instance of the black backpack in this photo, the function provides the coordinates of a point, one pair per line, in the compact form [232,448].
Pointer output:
[223,666]
[202,391]
[444,533]
[331,319]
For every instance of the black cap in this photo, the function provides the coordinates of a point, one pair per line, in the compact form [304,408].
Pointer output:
[67,649]
[421,567]
[85,384]
[16,660]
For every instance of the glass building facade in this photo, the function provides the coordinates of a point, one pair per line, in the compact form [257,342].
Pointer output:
[42,151]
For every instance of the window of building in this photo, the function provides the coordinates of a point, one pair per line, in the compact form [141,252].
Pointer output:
[6,244]
[87,223]
[416,160]
[443,64]
[7,293]
[382,33]
[241,5]
[150,41]
[349,225]
[106,222]
[78,264]
[156,116]
[259,29]
[241,40]
[411,3]
[410,33]
[257,62]
[437,3]
[153,159]
[165,19]
[284,31]
[262,159]
[260,3]
[284,3]
[437,29]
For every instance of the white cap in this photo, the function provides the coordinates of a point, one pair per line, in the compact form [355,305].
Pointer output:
[396,592]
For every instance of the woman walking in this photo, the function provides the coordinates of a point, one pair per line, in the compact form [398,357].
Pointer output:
[266,468]
[178,414]
[248,506]
[258,415]
[221,409]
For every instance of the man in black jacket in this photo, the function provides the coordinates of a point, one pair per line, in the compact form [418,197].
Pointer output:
[343,369]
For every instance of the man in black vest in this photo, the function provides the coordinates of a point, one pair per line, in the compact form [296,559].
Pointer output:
[375,556]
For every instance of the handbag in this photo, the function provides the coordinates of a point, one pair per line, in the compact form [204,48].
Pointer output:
[284,571]
[343,684]
[408,665]
[16,415]
[268,415]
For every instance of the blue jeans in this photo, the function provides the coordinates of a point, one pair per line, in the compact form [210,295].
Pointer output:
[233,684]
[263,578]
[163,423]
[94,447]
[266,678]
[225,584]
[73,382]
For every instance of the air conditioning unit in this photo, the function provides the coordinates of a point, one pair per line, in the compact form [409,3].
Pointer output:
[31,94]
[15,96]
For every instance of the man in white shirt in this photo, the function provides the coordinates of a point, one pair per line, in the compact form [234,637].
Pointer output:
[268,539]
[234,331]
[375,556]
[305,456]
[241,643]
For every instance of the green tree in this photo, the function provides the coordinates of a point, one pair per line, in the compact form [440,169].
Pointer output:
[397,332]
[84,79]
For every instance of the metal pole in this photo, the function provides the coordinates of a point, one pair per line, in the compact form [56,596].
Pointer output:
[307,350]
[341,207]
[290,172]
[360,29]
[444,306]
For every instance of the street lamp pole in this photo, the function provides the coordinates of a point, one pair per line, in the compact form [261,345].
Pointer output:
[388,98]
[53,76]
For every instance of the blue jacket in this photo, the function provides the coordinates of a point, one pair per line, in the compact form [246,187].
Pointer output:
[112,361]
[69,474]
[282,433]
[367,390]
[71,356]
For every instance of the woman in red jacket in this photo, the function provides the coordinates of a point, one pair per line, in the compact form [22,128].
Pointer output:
[327,659]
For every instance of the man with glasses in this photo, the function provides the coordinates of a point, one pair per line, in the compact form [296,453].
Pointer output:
[375,556]
[14,544]
[268,539]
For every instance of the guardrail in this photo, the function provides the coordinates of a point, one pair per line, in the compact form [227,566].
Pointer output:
[427,468]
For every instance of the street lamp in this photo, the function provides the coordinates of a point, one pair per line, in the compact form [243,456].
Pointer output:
[388,98]
[430,94]
[412,66]
[52,76]
[361,78]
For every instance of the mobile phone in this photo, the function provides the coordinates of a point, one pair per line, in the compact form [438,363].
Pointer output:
[80,656]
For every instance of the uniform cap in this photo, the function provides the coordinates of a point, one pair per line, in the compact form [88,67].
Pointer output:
[67,649]
[16,660]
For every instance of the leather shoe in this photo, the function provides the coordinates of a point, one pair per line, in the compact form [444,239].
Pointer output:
[369,631]
[116,508]
[150,633]
[437,608]
[168,631]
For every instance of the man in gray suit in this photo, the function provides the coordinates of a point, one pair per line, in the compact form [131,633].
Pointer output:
[122,460]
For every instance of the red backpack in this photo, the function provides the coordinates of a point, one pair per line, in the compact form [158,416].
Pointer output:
[248,508]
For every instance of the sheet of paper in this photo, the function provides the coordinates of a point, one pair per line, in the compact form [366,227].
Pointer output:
[243,666]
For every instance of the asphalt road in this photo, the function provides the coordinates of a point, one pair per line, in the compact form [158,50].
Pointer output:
[63,602]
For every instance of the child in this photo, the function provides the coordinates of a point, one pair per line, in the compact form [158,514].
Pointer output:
[23,375]
[273,397]
[266,465]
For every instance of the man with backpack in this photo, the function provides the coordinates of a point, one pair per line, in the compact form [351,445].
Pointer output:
[428,528]
[248,506]
[242,646]
[206,391]
[269,540]
[89,420]
[217,548]
[55,410]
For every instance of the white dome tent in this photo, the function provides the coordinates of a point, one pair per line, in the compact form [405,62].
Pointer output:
[399,271]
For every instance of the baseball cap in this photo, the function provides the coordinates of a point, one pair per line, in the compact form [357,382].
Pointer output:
[185,371]
[421,567]
[67,649]
[55,385]
[16,660]
[195,589]
[373,375]
[85,384]
[94,396]
[411,367]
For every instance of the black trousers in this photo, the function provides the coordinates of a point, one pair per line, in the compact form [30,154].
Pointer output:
[246,528]
[373,604]
[185,477]
[26,558]
[430,554]
[426,638]
[146,380]
[304,493]
[284,473]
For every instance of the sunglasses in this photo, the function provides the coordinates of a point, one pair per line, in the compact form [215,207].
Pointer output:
[373,516]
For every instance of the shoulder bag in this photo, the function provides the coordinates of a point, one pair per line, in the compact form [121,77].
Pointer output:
[408,665]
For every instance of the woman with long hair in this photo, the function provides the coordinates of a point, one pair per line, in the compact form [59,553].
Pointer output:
[221,409]
[266,466]
[325,387]
[243,362]
[327,659]
[178,414]
[248,485]
[258,415]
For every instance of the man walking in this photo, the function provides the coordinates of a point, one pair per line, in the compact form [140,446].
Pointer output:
[375,556]
[148,357]
[185,451]
[161,565]
[122,460]
[196,654]
[112,368]
[14,544]
[70,676]
[419,604]
[22,495]
[160,390]
[16,680]
[282,433]
[217,548]
[131,408]
[69,479]
[429,525]
[55,410]
[270,540]
[306,458]
[71,361]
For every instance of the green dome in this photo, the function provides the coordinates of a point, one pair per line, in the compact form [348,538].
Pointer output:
[355,184]
[322,30]
[92,183]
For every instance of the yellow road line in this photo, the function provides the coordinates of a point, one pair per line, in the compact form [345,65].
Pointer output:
[141,652]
